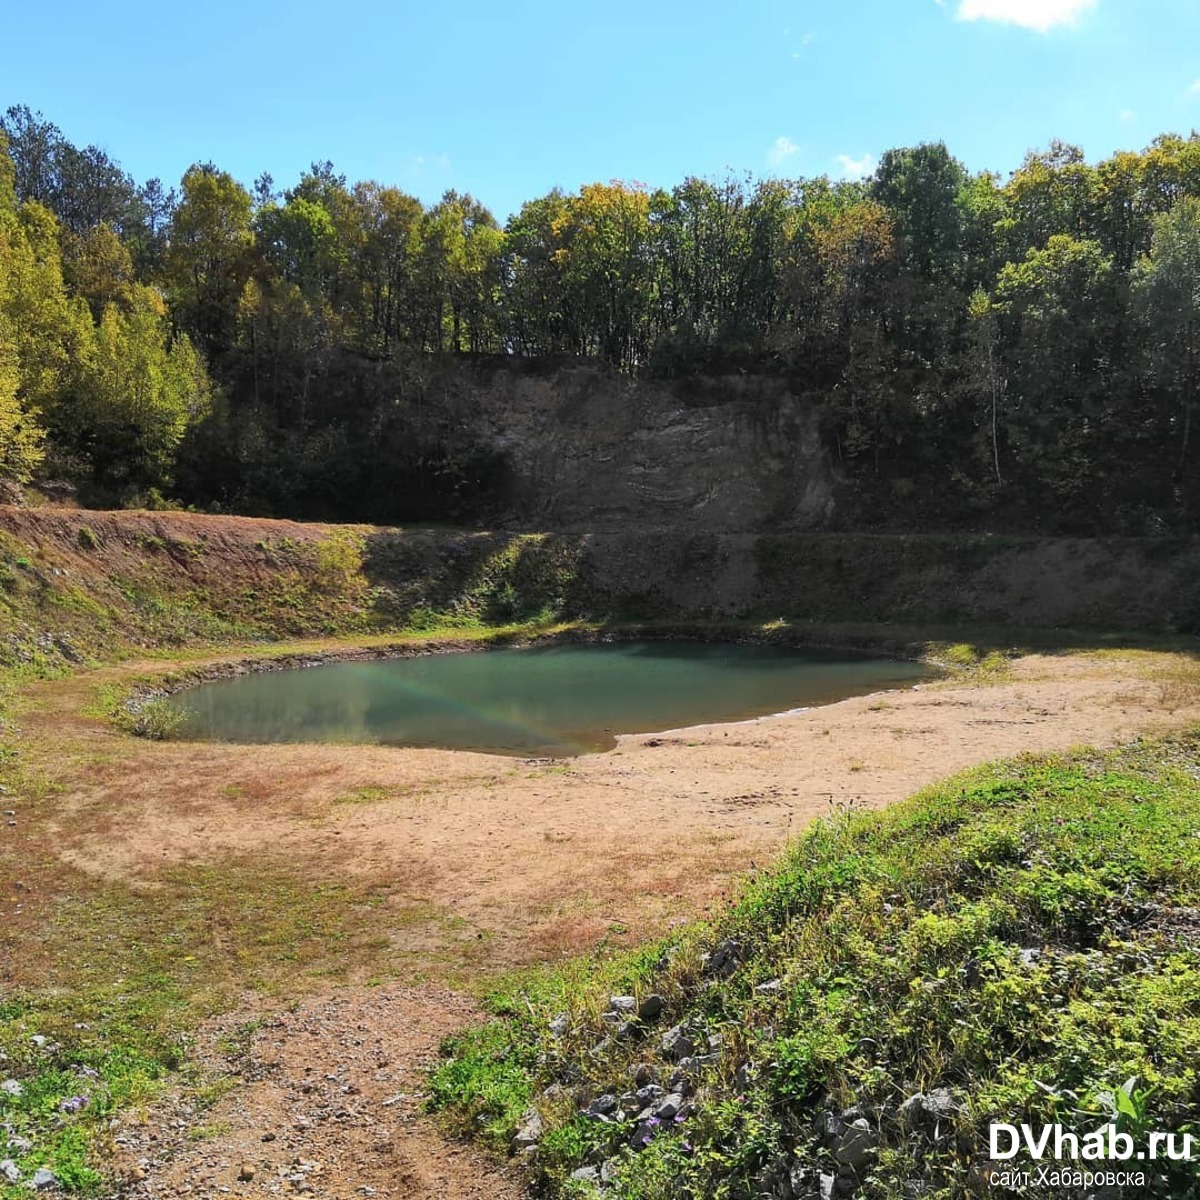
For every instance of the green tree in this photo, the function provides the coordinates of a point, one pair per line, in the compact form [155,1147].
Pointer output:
[604,241]
[211,255]
[383,250]
[541,316]
[1167,291]
[138,396]
[1062,312]
[22,439]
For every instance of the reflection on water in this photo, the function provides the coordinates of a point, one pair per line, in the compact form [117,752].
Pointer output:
[544,700]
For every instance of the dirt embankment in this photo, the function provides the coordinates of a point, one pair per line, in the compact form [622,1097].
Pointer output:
[83,583]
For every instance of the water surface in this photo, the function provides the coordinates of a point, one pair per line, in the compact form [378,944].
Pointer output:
[542,700]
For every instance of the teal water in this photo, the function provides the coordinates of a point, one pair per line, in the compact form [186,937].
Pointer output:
[543,700]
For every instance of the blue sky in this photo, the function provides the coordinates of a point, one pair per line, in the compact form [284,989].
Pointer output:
[509,100]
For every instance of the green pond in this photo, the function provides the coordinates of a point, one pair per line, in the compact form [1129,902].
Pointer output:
[544,700]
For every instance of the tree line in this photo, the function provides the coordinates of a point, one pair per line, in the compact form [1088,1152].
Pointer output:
[983,352]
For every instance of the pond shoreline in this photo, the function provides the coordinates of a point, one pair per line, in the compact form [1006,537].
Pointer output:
[175,680]
[552,697]
[144,709]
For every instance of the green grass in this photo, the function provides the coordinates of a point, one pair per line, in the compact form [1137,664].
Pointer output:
[901,945]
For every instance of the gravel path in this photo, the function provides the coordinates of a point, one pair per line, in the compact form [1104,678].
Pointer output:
[324,1105]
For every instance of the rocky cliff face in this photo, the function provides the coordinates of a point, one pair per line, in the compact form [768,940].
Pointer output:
[583,449]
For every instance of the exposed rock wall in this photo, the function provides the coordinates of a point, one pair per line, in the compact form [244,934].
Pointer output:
[585,449]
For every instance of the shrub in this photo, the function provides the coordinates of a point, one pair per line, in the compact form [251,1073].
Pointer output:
[156,719]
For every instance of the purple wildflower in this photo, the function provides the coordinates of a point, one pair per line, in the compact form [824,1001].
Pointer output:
[74,1104]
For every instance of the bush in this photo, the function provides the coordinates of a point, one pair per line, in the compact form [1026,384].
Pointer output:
[156,719]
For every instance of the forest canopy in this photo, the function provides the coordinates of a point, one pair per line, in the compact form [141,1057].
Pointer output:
[983,352]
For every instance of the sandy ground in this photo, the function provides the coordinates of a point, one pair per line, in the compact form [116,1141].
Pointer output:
[546,855]
[523,861]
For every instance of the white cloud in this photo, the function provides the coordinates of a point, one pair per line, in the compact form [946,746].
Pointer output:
[856,168]
[783,148]
[1127,115]
[1041,15]
[1194,90]
[422,163]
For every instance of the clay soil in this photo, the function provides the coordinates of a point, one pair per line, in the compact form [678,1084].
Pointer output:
[480,864]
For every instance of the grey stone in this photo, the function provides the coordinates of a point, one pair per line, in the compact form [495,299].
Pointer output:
[744,1075]
[724,959]
[827,1185]
[911,1113]
[1029,958]
[677,1044]
[666,1108]
[609,1170]
[692,1065]
[586,1175]
[530,1131]
[644,1133]
[651,1008]
[770,987]
[682,1082]
[928,1110]
[643,1073]
[602,1106]
[856,1145]
[801,1180]
[831,1128]
[9,1171]
[560,1025]
[10,1087]
[650,1093]
[939,1105]
[622,1004]
[43,1180]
